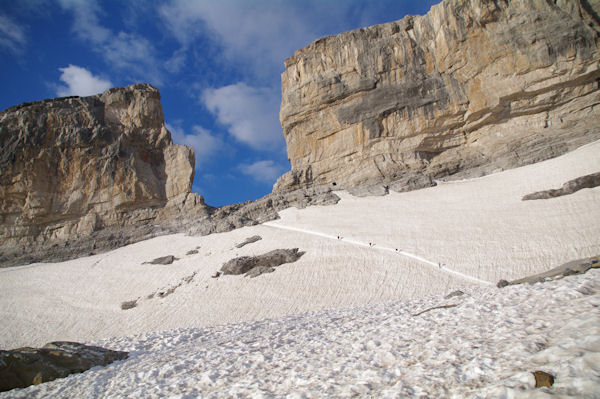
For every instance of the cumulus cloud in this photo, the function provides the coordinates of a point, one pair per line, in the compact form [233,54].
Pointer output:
[123,50]
[266,171]
[12,35]
[249,113]
[204,143]
[80,82]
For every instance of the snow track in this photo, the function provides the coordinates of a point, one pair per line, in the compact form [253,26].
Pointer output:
[381,248]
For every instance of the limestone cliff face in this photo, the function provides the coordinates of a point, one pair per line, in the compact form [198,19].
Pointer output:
[472,87]
[72,166]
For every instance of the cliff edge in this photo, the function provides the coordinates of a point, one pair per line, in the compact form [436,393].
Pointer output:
[472,87]
[72,167]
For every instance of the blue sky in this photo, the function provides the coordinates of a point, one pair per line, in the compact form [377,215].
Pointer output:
[216,63]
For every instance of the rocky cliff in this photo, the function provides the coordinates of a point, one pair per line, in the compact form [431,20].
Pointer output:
[71,167]
[80,175]
[472,87]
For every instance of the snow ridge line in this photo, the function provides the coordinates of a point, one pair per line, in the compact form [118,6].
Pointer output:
[373,246]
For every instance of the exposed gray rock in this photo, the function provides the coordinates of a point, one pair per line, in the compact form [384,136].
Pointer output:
[249,240]
[579,266]
[216,274]
[502,284]
[588,181]
[128,305]
[192,252]
[258,270]
[434,308]
[367,190]
[265,209]
[454,293]
[412,181]
[273,258]
[163,260]
[22,367]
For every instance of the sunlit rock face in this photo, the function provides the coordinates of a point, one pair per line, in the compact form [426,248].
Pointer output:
[472,87]
[74,166]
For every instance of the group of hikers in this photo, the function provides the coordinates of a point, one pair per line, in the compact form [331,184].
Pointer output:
[371,245]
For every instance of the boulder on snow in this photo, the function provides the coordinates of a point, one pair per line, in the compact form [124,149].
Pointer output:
[20,368]
[578,266]
[258,270]
[543,379]
[453,294]
[587,181]
[163,260]
[249,240]
[128,304]
[271,259]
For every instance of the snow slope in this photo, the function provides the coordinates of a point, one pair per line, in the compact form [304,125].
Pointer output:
[360,336]
[486,347]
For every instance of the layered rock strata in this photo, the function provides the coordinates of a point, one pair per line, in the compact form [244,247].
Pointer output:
[472,87]
[81,175]
[90,172]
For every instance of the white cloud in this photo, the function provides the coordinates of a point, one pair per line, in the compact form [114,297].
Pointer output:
[12,35]
[263,171]
[204,143]
[262,32]
[85,23]
[80,82]
[249,113]
[126,51]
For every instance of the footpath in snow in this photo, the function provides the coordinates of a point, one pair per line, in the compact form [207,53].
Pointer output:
[374,246]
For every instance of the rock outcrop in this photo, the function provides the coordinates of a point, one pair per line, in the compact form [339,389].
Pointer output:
[578,266]
[81,175]
[264,263]
[587,181]
[22,367]
[87,172]
[472,87]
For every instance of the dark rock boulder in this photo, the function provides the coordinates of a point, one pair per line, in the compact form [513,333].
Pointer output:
[128,305]
[578,266]
[163,260]
[587,181]
[271,259]
[453,294]
[248,240]
[20,368]
[258,270]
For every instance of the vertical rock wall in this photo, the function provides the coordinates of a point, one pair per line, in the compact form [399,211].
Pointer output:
[472,87]
[72,166]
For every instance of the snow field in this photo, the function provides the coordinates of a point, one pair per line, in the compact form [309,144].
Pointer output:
[479,227]
[486,346]
[80,299]
[235,336]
